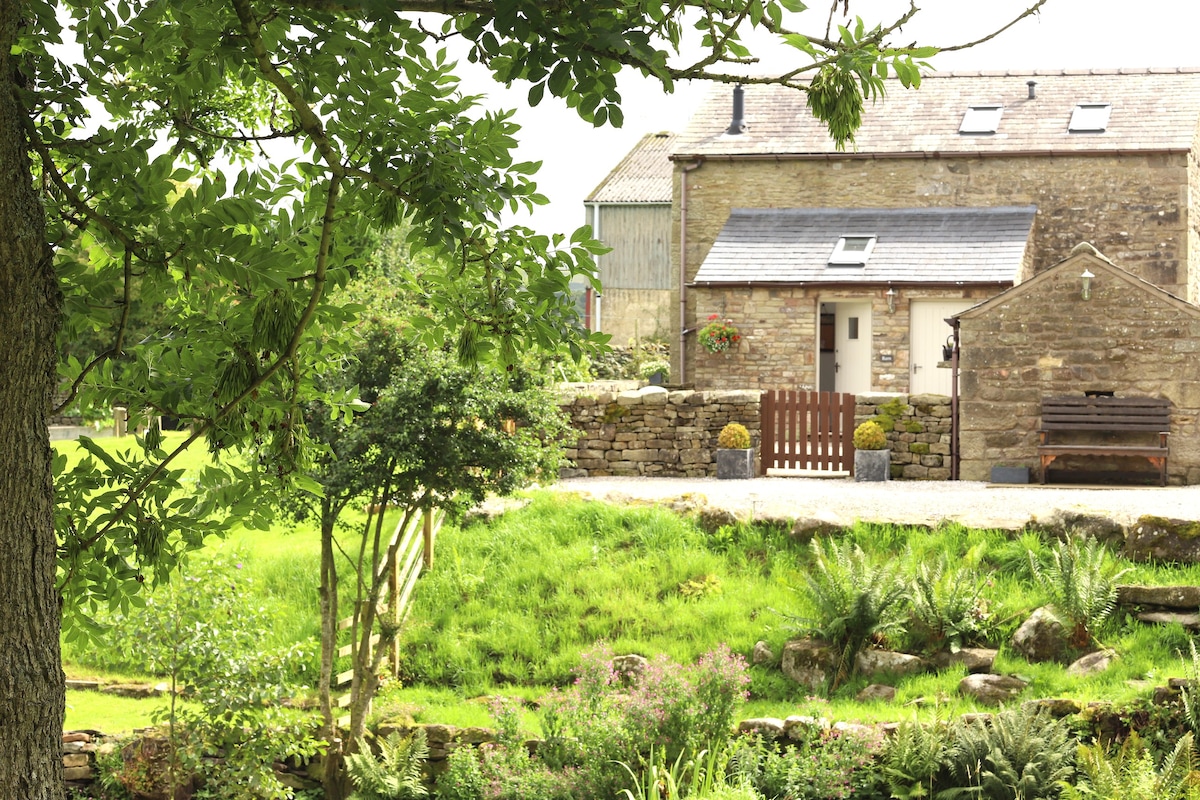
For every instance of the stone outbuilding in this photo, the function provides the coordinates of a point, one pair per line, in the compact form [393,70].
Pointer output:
[1106,155]
[1048,337]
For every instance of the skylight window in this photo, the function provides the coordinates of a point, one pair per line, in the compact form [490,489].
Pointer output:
[852,251]
[1090,118]
[981,119]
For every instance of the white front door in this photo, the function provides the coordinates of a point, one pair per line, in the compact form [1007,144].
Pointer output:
[928,333]
[852,346]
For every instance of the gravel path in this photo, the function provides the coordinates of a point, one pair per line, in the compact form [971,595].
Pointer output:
[841,500]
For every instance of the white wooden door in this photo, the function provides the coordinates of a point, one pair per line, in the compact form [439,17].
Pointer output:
[852,346]
[928,332]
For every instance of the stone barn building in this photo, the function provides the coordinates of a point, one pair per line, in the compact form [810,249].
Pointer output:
[833,265]
[1045,338]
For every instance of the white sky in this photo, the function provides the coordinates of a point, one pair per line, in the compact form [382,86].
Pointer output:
[1066,34]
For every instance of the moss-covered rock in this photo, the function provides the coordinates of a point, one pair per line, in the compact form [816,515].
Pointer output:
[1160,539]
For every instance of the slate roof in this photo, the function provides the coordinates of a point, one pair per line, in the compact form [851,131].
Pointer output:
[643,176]
[913,245]
[1153,109]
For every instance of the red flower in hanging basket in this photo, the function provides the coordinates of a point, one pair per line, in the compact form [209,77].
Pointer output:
[718,335]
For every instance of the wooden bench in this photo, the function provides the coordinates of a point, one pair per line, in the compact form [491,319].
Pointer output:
[1106,415]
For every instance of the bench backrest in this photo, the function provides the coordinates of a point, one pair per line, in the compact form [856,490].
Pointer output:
[1106,413]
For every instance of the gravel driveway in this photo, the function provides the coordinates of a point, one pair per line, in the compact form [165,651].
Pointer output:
[841,500]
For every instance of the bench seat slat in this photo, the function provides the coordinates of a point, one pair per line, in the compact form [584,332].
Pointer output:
[1105,415]
[1100,450]
[1100,402]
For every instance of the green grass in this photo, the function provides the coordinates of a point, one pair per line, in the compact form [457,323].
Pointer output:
[511,604]
[113,715]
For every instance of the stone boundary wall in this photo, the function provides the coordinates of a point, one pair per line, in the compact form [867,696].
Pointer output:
[920,435]
[652,431]
[656,432]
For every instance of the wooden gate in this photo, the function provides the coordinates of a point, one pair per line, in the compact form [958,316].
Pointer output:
[807,430]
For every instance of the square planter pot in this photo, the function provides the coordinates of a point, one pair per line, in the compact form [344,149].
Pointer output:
[735,464]
[872,465]
[1010,475]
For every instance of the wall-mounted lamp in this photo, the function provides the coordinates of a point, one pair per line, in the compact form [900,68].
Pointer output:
[891,300]
[1086,278]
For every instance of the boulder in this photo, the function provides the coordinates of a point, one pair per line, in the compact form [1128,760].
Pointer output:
[630,668]
[808,662]
[885,662]
[1161,539]
[711,519]
[876,691]
[1105,530]
[1191,620]
[806,528]
[799,726]
[1042,637]
[992,689]
[1057,707]
[1092,663]
[766,727]
[975,659]
[762,654]
[1183,597]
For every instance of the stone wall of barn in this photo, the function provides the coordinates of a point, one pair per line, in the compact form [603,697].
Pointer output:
[779,329]
[1134,208]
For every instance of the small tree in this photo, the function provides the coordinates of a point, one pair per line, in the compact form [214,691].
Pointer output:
[437,434]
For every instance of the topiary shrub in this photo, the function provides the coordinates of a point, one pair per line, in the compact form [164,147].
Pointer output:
[869,436]
[734,436]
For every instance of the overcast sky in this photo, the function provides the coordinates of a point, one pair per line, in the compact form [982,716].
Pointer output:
[1065,34]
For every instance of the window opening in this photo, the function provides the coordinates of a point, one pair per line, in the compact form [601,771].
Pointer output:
[1090,118]
[981,119]
[852,251]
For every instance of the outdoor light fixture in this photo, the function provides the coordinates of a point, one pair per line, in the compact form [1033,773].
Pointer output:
[891,300]
[1086,277]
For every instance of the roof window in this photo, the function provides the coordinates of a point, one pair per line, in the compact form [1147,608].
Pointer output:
[981,119]
[1090,118]
[852,251]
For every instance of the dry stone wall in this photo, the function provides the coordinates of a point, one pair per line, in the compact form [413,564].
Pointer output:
[656,432]
[919,437]
[652,431]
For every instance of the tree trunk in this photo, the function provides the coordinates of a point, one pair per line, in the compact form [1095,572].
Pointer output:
[329,619]
[31,678]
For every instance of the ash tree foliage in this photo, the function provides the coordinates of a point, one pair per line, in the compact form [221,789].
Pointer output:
[141,163]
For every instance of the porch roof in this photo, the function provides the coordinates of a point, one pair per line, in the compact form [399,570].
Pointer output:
[911,245]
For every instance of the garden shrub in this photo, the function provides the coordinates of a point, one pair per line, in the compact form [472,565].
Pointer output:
[827,764]
[853,602]
[201,634]
[1131,773]
[734,436]
[605,719]
[396,774]
[913,758]
[948,611]
[1013,755]
[1081,583]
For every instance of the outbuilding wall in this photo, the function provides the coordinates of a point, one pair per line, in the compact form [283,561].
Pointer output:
[1044,339]
[778,326]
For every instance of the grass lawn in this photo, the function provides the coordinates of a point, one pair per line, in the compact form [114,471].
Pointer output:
[511,604]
